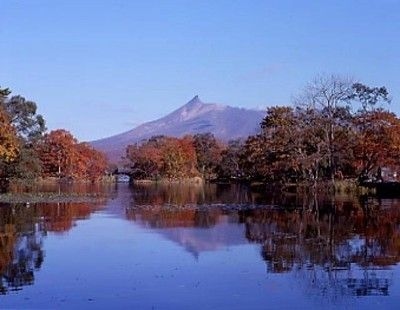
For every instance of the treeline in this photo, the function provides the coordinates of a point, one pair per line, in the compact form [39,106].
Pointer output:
[335,129]
[28,151]
[175,158]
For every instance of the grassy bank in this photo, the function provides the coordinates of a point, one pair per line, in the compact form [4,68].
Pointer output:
[42,197]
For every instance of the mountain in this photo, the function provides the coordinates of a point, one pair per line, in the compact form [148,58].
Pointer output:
[224,122]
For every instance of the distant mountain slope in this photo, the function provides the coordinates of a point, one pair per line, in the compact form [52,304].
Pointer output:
[224,122]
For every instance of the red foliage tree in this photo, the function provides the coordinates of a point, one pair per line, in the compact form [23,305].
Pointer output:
[378,141]
[164,157]
[63,156]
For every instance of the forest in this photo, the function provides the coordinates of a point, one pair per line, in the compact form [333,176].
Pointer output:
[335,129]
[29,152]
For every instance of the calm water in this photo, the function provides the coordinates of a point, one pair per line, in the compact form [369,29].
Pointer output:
[217,247]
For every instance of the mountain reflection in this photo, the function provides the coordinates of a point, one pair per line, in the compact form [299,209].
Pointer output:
[22,231]
[336,245]
[330,246]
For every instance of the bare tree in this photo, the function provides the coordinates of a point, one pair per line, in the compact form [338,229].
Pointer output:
[328,96]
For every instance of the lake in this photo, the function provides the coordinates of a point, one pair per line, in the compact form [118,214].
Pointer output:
[201,247]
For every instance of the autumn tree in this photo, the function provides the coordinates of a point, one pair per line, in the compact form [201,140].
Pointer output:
[328,96]
[287,147]
[179,158]
[27,167]
[57,152]
[62,156]
[230,165]
[376,130]
[279,131]
[165,157]
[350,135]
[93,164]
[378,141]
[8,142]
[253,158]
[314,154]
[208,153]
[145,159]
[9,146]
[29,128]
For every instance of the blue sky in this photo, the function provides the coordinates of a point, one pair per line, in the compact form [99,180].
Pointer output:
[98,68]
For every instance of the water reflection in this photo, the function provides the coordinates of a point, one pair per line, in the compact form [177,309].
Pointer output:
[22,231]
[176,194]
[341,245]
[52,186]
[334,247]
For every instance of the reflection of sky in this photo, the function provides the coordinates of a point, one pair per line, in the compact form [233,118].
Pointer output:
[106,261]
[356,243]
[337,288]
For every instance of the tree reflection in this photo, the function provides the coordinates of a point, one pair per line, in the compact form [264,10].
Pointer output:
[176,194]
[337,245]
[22,231]
[341,247]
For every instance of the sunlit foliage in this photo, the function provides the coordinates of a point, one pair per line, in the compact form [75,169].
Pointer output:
[163,157]
[62,156]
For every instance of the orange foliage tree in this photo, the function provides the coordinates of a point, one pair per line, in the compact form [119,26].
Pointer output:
[145,160]
[165,157]
[209,154]
[378,141]
[179,158]
[92,162]
[63,156]
[9,144]
[323,139]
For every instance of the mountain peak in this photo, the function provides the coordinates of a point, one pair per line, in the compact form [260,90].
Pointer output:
[195,101]
[193,117]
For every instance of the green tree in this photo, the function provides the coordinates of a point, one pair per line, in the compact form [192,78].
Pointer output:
[30,126]
[369,97]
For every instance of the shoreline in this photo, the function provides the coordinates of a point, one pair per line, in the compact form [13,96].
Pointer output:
[46,197]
